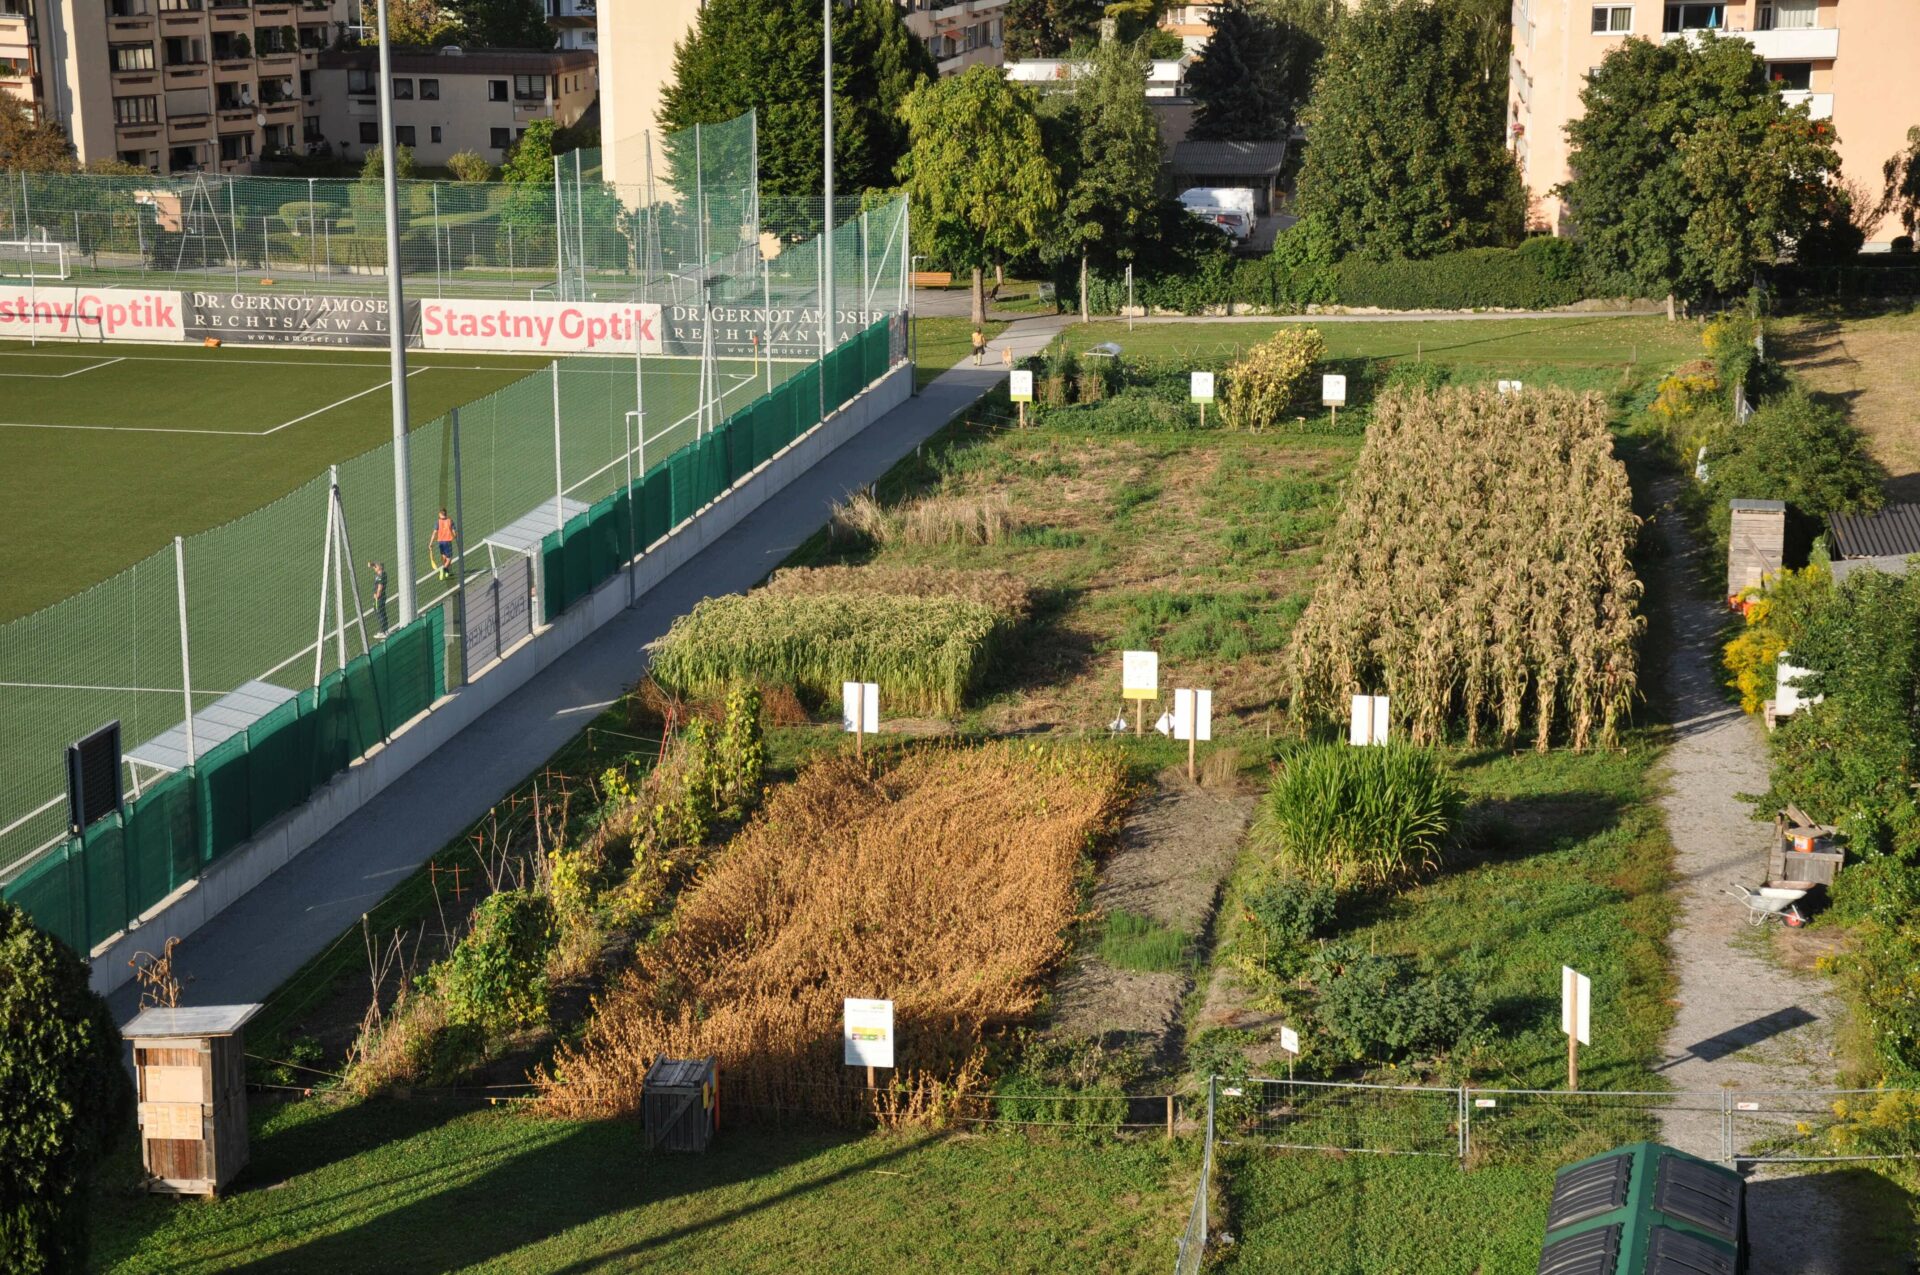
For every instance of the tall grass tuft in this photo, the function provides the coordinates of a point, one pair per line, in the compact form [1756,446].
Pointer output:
[933,520]
[1358,816]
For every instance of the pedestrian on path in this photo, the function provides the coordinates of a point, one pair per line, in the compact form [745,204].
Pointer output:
[979,346]
[379,570]
[1006,357]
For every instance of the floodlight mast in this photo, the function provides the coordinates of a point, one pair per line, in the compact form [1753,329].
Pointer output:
[396,332]
[828,338]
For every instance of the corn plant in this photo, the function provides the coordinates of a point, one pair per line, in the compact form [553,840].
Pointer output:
[1479,573]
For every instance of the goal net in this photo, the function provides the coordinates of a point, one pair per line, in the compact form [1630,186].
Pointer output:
[33,259]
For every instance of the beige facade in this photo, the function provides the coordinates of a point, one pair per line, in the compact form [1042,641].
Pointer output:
[172,85]
[636,39]
[1848,60]
[451,100]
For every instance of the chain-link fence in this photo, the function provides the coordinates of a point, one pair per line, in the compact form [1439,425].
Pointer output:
[618,449]
[1193,1240]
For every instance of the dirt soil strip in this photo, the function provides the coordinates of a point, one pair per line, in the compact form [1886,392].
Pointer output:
[1743,1021]
[1177,848]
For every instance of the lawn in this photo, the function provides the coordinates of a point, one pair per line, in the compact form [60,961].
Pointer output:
[390,1185]
[1871,364]
[942,342]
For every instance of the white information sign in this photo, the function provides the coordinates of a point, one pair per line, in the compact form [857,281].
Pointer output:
[1333,390]
[866,1032]
[1139,675]
[1193,715]
[1510,387]
[1576,1005]
[860,707]
[1203,387]
[1020,385]
[1369,722]
[1290,1040]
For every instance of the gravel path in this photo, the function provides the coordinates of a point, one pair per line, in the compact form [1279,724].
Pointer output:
[1744,1021]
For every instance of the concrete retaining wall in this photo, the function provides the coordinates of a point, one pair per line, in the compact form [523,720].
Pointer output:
[202,899]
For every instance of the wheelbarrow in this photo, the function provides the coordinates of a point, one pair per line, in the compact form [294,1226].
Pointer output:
[1779,901]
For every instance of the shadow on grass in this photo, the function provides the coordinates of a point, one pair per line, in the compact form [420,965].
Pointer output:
[1871,1212]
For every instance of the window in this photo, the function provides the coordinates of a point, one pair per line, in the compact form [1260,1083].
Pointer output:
[1789,15]
[529,88]
[1794,77]
[429,90]
[369,132]
[236,146]
[310,128]
[1612,19]
[402,90]
[500,138]
[132,57]
[496,90]
[306,84]
[361,83]
[403,134]
[186,50]
[433,134]
[1696,17]
[135,110]
[519,133]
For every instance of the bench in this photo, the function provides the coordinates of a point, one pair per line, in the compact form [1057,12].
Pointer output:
[933,278]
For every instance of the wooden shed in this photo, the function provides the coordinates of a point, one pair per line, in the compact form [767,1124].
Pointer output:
[1756,544]
[190,1073]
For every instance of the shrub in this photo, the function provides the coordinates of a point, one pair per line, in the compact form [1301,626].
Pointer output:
[1416,376]
[1267,381]
[1293,909]
[1348,816]
[1752,657]
[64,1097]
[496,976]
[1794,448]
[469,166]
[1127,413]
[932,520]
[1540,274]
[1098,1108]
[1384,1008]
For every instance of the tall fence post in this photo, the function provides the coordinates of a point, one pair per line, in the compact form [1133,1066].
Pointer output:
[313,236]
[559,480]
[460,553]
[186,661]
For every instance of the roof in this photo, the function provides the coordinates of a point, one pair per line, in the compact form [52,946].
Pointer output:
[1247,159]
[1759,506]
[1892,532]
[201,1020]
[454,60]
[213,725]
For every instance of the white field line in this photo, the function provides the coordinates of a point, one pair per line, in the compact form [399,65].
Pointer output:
[321,411]
[61,376]
[217,433]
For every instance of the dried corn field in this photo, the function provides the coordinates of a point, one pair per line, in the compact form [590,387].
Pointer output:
[1479,573]
[945,883]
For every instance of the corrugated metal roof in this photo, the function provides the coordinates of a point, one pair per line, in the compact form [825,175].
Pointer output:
[1893,532]
[1248,158]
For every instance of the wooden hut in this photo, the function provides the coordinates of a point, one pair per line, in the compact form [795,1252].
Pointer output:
[190,1070]
[1756,544]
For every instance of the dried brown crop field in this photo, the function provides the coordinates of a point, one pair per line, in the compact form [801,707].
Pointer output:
[1480,573]
[1873,365]
[944,881]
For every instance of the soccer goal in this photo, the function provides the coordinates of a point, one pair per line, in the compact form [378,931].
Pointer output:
[33,259]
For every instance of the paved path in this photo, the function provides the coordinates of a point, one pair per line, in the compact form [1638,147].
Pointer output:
[245,953]
[1744,1021]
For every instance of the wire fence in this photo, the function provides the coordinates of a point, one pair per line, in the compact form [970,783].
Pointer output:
[1192,1252]
[285,596]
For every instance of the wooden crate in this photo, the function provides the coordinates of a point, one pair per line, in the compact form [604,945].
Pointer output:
[680,1101]
[1819,867]
[190,1072]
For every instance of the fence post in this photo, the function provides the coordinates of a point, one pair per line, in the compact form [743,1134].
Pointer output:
[186,662]
[1169,1117]
[460,552]
[1726,1125]
[559,481]
[1466,1116]
[1206,1164]
[313,236]
[437,286]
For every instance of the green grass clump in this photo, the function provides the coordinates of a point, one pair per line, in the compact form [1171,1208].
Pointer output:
[925,652]
[1358,816]
[1135,942]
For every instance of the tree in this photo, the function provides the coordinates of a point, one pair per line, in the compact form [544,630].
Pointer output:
[1689,170]
[1241,81]
[502,24]
[1110,159]
[1902,174]
[420,22]
[64,1096]
[469,166]
[764,56]
[1048,28]
[1405,156]
[530,162]
[373,167]
[981,184]
[31,145]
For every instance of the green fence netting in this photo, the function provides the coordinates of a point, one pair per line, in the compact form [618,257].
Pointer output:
[90,887]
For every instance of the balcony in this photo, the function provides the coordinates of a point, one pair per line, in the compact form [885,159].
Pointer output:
[190,128]
[1819,105]
[1811,44]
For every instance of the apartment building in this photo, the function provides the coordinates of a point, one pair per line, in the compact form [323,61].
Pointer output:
[451,100]
[1848,60]
[575,23]
[636,40]
[172,85]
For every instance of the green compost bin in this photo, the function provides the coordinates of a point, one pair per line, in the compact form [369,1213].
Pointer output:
[1646,1209]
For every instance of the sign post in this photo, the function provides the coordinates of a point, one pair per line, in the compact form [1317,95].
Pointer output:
[866,1034]
[1139,682]
[1020,390]
[860,711]
[1192,720]
[1290,1043]
[1509,387]
[1576,1015]
[1368,723]
[1202,392]
[1333,393]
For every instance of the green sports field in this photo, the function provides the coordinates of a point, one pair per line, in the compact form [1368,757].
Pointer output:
[111,451]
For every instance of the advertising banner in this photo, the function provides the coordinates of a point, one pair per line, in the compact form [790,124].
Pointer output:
[294,318]
[89,314]
[540,327]
[790,331]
